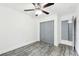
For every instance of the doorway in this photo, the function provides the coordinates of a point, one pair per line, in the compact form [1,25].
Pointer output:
[67,32]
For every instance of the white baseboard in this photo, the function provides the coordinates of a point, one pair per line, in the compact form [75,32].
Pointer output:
[66,42]
[15,47]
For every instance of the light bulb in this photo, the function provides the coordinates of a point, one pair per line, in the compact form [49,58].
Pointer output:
[38,12]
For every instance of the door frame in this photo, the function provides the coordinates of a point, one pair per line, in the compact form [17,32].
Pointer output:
[54,18]
[66,42]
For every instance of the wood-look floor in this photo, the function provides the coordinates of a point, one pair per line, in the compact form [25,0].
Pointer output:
[42,49]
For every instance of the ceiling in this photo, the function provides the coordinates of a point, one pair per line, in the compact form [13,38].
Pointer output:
[58,8]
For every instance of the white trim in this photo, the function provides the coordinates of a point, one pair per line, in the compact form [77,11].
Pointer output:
[67,17]
[66,42]
[56,32]
[46,20]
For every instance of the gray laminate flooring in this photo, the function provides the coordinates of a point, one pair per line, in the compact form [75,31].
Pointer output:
[41,49]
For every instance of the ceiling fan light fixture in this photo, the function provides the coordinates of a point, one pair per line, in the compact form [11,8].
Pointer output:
[38,12]
[40,9]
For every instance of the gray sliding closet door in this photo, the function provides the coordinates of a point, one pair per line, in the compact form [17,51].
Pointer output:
[64,30]
[67,30]
[70,32]
[47,32]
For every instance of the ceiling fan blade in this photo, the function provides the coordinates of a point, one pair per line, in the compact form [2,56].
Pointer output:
[29,10]
[45,12]
[38,4]
[33,4]
[47,5]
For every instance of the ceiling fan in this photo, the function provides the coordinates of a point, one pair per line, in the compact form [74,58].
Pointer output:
[39,8]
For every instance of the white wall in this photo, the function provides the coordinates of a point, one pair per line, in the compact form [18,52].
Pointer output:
[77,31]
[16,29]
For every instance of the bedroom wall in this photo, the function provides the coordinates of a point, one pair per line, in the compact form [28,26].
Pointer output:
[77,31]
[16,29]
